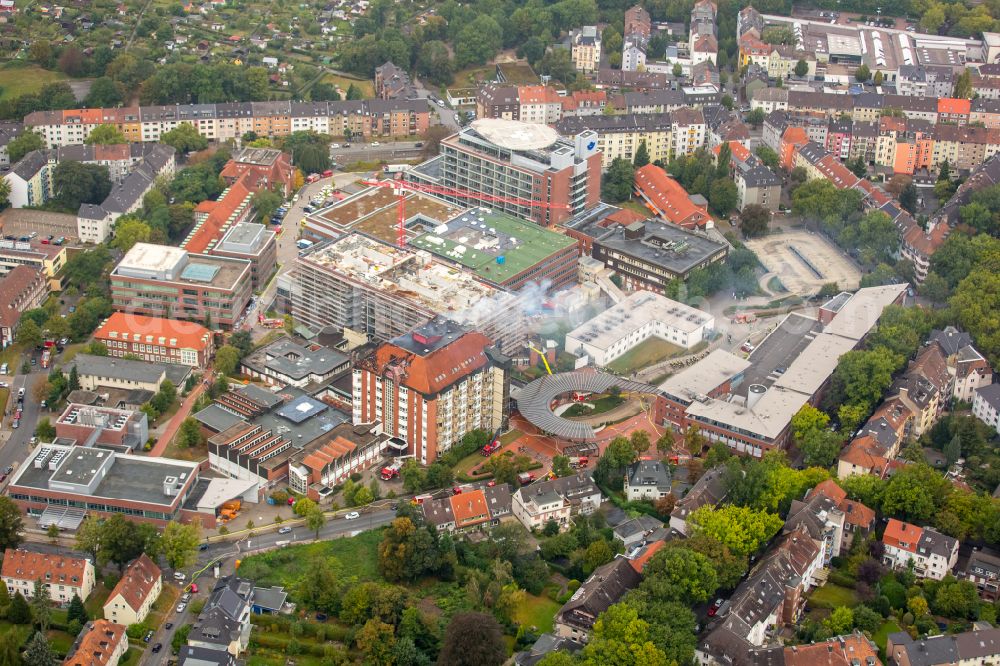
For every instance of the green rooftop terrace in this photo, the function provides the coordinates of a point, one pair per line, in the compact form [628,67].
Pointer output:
[496,246]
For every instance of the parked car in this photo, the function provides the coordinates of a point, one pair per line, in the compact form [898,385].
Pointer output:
[352,515]
[181,607]
[168,626]
[203,547]
[284,530]
[148,637]
[157,647]
[179,575]
[186,597]
[714,608]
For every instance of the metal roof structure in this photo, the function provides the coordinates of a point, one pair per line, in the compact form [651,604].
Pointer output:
[534,400]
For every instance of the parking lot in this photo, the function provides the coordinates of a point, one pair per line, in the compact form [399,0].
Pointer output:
[20,222]
[805,261]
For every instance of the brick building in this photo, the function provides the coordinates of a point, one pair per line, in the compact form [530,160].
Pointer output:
[156,339]
[23,288]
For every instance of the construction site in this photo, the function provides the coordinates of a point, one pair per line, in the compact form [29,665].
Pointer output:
[384,291]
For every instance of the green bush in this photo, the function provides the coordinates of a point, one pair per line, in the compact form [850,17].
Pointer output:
[136,631]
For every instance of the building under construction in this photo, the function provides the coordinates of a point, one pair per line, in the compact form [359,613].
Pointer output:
[384,291]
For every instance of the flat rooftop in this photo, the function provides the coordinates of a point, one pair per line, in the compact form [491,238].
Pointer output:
[635,312]
[779,349]
[667,245]
[131,478]
[375,212]
[815,364]
[514,134]
[291,359]
[705,376]
[860,314]
[150,257]
[386,268]
[766,419]
[495,246]
[257,156]
[172,264]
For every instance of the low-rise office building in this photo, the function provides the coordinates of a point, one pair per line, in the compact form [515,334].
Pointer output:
[97,372]
[156,339]
[121,429]
[163,281]
[285,362]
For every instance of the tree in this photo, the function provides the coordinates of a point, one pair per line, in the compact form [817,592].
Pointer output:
[41,605]
[353,92]
[190,434]
[641,155]
[104,92]
[841,621]
[184,139]
[265,202]
[38,652]
[963,85]
[596,554]
[19,611]
[11,524]
[128,231]
[88,536]
[820,448]
[24,144]
[808,420]
[862,73]
[878,78]
[755,118]
[315,520]
[742,529]
[29,335]
[473,639]
[801,68]
[303,507]
[914,493]
[639,439]
[754,220]
[727,102]
[45,431]
[77,183]
[376,640]
[77,611]
[406,551]
[618,181]
[767,156]
[179,544]
[908,198]
[723,196]
[621,638]
[680,574]
[561,466]
[310,151]
[478,41]
[953,450]
[227,359]
[105,135]
[52,532]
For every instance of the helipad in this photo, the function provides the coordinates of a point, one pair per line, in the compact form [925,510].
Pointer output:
[514,134]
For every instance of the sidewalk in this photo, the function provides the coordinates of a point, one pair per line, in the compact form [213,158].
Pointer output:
[177,419]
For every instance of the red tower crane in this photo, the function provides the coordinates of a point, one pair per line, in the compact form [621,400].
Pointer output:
[402,186]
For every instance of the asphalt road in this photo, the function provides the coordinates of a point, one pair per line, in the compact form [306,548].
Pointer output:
[14,444]
[227,552]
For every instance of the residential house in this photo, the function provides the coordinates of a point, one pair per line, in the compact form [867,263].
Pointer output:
[133,596]
[469,509]
[224,622]
[709,490]
[641,528]
[983,569]
[969,369]
[981,646]
[62,576]
[933,554]
[769,598]
[647,480]
[23,288]
[606,586]
[986,405]
[925,388]
[102,643]
[585,48]
[542,501]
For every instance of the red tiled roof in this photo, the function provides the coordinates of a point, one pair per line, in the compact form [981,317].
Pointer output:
[865,452]
[439,369]
[178,334]
[98,644]
[12,288]
[738,150]
[470,507]
[669,199]
[218,216]
[831,490]
[28,565]
[138,582]
[902,535]
[954,105]
[839,651]
[639,563]
[538,95]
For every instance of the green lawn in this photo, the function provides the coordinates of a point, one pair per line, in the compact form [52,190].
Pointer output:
[537,612]
[366,86]
[60,641]
[832,596]
[882,635]
[95,602]
[604,403]
[18,79]
[358,557]
[636,206]
[645,354]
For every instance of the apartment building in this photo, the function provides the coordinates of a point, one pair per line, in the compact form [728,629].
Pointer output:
[604,587]
[433,385]
[932,554]
[62,576]
[169,282]
[620,135]
[264,169]
[538,503]
[391,82]
[221,122]
[156,339]
[968,368]
[983,569]
[668,200]
[514,163]
[986,405]
[585,48]
[979,646]
[133,596]
[102,643]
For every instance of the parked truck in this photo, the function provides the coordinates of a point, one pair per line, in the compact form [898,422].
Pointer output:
[579,462]
[493,446]
[524,478]
[391,471]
